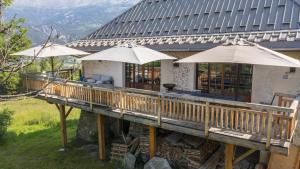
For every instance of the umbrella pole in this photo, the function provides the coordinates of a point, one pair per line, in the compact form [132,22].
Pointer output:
[52,66]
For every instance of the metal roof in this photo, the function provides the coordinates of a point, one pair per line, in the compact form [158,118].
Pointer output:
[151,18]
[200,24]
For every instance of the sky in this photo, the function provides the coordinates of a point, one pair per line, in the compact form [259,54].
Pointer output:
[68,3]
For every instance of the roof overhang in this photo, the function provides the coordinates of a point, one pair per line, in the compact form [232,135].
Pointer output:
[284,40]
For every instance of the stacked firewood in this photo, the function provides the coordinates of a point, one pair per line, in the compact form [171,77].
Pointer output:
[174,154]
[118,151]
[169,152]
[197,157]
[120,148]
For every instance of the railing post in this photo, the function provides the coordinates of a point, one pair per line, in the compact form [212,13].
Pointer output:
[159,110]
[269,129]
[91,97]
[65,93]
[206,119]
[122,102]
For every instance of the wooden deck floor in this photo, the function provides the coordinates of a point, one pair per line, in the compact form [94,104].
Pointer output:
[186,127]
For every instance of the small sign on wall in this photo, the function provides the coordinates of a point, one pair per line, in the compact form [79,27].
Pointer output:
[285,77]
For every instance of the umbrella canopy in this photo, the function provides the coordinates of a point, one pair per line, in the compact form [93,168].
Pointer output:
[129,53]
[244,53]
[50,50]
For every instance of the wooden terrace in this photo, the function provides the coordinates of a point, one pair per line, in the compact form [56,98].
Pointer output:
[255,126]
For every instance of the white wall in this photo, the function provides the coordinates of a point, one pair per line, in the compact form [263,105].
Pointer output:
[268,80]
[114,69]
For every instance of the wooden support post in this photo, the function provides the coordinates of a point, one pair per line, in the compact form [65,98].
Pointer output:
[63,127]
[101,136]
[229,149]
[206,119]
[152,141]
[264,157]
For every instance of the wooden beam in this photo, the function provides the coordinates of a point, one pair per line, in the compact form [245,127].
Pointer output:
[243,156]
[229,149]
[63,127]
[69,111]
[152,141]
[101,136]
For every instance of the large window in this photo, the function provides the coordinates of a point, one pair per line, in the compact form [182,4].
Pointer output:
[145,77]
[233,80]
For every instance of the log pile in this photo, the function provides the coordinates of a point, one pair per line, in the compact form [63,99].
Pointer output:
[167,151]
[196,158]
[118,151]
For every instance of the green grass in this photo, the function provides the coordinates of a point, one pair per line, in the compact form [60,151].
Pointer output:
[33,139]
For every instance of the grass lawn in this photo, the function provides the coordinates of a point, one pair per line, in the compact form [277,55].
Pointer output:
[33,139]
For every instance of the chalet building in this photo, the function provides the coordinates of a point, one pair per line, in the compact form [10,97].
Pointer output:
[184,27]
[237,104]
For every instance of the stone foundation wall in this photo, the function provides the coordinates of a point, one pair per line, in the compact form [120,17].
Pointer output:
[87,127]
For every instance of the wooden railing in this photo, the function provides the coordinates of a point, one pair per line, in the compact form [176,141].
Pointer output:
[263,122]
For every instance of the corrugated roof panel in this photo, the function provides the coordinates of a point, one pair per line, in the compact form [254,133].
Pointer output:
[246,14]
[259,12]
[295,16]
[279,18]
[233,14]
[189,17]
[219,6]
[242,4]
[209,6]
[230,5]
[268,3]
[212,15]
[200,19]
[273,13]
[222,14]
[254,4]
[282,2]
[264,19]
[288,12]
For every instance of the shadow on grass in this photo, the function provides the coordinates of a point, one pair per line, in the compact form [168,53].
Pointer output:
[40,149]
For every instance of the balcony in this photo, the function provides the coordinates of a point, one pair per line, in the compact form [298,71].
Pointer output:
[257,126]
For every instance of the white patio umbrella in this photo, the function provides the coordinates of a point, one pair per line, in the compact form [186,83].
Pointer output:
[242,52]
[129,53]
[50,51]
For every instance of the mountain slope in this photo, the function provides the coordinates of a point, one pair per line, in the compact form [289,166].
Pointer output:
[68,23]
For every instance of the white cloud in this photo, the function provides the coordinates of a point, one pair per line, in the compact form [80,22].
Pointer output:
[69,3]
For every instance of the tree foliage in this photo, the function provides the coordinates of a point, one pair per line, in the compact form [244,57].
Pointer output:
[13,38]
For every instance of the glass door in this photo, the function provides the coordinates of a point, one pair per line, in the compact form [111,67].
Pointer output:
[145,77]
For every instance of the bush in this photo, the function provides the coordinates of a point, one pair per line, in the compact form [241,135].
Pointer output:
[5,121]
